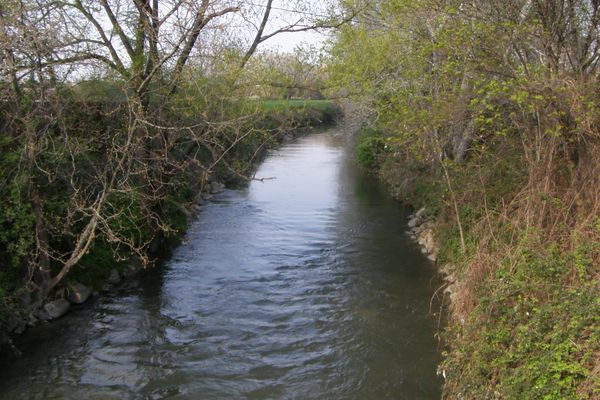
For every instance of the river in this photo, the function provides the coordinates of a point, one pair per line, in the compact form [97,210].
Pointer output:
[300,286]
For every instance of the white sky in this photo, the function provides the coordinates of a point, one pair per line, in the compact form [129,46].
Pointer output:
[287,42]
[243,25]
[288,12]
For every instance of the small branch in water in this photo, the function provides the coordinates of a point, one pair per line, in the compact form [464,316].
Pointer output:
[264,179]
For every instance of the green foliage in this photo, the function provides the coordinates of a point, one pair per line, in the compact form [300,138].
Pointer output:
[130,221]
[16,217]
[529,337]
[284,105]
[370,148]
[438,75]
[301,113]
[62,162]
[95,266]
[102,156]
[429,194]
[99,90]
[17,234]
[172,210]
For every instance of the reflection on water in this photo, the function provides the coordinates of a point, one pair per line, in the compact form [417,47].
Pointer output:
[298,287]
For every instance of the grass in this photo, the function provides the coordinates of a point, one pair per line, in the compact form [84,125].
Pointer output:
[301,113]
[525,314]
[283,105]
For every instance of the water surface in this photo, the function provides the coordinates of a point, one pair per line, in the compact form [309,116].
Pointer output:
[303,286]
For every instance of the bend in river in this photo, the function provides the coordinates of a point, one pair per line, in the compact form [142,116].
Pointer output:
[303,286]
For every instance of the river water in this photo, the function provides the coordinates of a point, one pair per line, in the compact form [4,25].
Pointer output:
[303,286]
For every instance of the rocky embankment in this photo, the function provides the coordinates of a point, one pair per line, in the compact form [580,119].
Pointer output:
[422,230]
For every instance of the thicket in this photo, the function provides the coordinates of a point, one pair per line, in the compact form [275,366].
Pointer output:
[489,113]
[46,201]
[114,115]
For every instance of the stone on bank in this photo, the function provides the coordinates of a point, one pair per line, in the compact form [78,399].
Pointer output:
[421,230]
[78,293]
[56,309]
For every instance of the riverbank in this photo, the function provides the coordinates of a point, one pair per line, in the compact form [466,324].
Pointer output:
[488,117]
[522,295]
[101,269]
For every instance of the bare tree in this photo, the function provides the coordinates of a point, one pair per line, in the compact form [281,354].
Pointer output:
[82,172]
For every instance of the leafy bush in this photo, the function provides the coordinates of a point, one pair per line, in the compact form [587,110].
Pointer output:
[370,148]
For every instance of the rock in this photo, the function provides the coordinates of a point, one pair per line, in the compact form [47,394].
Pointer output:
[427,240]
[114,277]
[417,219]
[78,293]
[216,187]
[56,308]
[32,320]
[413,223]
[43,315]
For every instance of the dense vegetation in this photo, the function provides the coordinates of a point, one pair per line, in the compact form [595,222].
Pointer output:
[487,113]
[114,116]
[147,207]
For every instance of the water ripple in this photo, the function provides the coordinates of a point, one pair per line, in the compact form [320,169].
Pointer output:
[300,287]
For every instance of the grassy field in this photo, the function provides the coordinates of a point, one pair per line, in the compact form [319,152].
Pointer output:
[282,105]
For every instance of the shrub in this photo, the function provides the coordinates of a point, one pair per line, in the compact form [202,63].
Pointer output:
[370,148]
